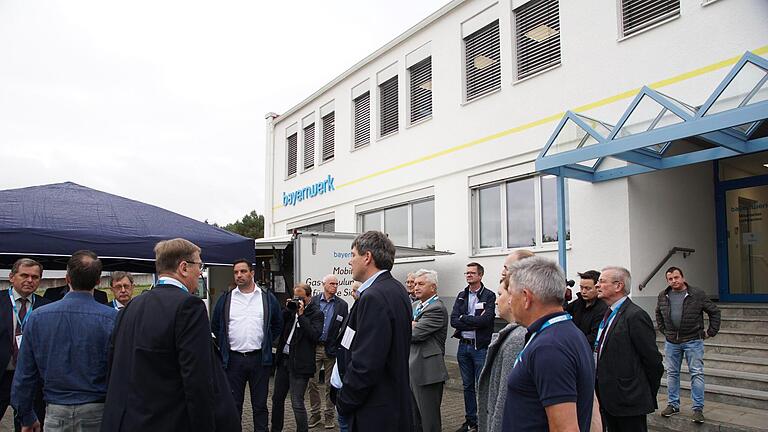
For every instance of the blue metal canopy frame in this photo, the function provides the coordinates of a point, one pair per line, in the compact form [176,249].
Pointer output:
[729,130]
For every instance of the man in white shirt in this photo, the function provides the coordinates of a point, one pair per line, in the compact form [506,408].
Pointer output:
[122,288]
[245,322]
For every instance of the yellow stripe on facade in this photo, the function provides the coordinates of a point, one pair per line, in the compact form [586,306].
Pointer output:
[555,117]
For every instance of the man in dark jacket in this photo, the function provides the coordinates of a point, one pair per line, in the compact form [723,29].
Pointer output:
[587,310]
[374,392]
[473,316]
[629,367]
[245,323]
[680,319]
[296,356]
[335,311]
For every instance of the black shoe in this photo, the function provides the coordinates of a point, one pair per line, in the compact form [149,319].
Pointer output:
[467,427]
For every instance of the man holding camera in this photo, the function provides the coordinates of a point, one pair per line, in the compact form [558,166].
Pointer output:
[296,356]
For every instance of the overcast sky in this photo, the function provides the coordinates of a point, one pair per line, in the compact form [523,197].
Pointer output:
[163,101]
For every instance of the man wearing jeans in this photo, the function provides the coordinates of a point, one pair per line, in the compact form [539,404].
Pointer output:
[66,345]
[473,317]
[680,320]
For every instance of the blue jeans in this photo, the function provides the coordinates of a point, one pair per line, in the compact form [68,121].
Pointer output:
[694,355]
[471,362]
[343,423]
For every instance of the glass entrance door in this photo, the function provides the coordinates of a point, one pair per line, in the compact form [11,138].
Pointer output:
[742,220]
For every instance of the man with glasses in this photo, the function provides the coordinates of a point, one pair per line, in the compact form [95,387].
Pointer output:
[629,365]
[334,310]
[122,289]
[164,374]
[473,317]
[246,321]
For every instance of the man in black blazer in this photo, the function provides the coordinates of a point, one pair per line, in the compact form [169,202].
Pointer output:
[335,311]
[629,365]
[164,373]
[16,303]
[375,394]
[58,293]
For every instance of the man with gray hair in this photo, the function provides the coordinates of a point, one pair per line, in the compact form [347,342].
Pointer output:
[629,366]
[427,357]
[335,311]
[551,385]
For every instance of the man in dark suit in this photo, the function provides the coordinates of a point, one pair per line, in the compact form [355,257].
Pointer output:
[58,293]
[375,394]
[629,366]
[427,356]
[16,303]
[164,373]
[334,310]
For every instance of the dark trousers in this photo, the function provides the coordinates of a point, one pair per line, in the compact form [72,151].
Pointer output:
[623,424]
[244,369]
[285,381]
[6,379]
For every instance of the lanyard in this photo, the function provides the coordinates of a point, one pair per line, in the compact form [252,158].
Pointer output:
[606,322]
[171,281]
[114,304]
[547,323]
[423,306]
[15,312]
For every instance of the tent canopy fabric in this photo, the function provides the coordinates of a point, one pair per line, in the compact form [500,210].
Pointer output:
[50,222]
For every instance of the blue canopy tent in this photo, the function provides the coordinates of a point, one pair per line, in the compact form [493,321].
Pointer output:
[731,122]
[50,222]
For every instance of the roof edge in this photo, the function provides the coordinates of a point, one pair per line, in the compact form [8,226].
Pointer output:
[359,65]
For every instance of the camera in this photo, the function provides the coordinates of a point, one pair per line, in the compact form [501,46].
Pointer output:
[293,304]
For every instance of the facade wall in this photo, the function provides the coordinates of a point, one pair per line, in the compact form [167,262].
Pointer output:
[497,137]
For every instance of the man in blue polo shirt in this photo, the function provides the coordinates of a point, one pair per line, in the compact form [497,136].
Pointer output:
[551,386]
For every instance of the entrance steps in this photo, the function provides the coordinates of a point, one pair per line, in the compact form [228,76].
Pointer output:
[735,375]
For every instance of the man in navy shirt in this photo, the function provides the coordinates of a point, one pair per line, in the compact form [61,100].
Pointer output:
[66,344]
[551,385]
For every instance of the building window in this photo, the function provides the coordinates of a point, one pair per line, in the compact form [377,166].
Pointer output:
[517,213]
[421,90]
[388,106]
[292,145]
[483,61]
[537,34]
[362,119]
[327,226]
[411,224]
[309,146]
[637,15]
[329,137]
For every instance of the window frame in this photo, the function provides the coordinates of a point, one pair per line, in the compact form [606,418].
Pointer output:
[465,59]
[304,135]
[538,216]
[355,145]
[295,172]
[409,205]
[517,37]
[646,26]
[381,102]
[323,124]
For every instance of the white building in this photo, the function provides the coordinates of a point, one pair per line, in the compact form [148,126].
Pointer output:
[433,138]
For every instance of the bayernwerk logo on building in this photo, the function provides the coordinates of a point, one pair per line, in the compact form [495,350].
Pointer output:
[311,191]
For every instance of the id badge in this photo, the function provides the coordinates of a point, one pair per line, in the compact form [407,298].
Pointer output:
[18,341]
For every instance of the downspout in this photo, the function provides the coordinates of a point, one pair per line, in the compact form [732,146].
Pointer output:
[269,173]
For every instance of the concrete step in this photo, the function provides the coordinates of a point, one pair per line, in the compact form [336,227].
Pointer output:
[720,417]
[735,363]
[729,348]
[753,336]
[743,323]
[749,310]
[725,394]
[725,377]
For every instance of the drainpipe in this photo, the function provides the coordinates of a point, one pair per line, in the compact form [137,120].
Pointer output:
[269,171]
[561,256]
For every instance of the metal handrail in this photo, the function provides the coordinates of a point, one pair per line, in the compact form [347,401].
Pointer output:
[674,250]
